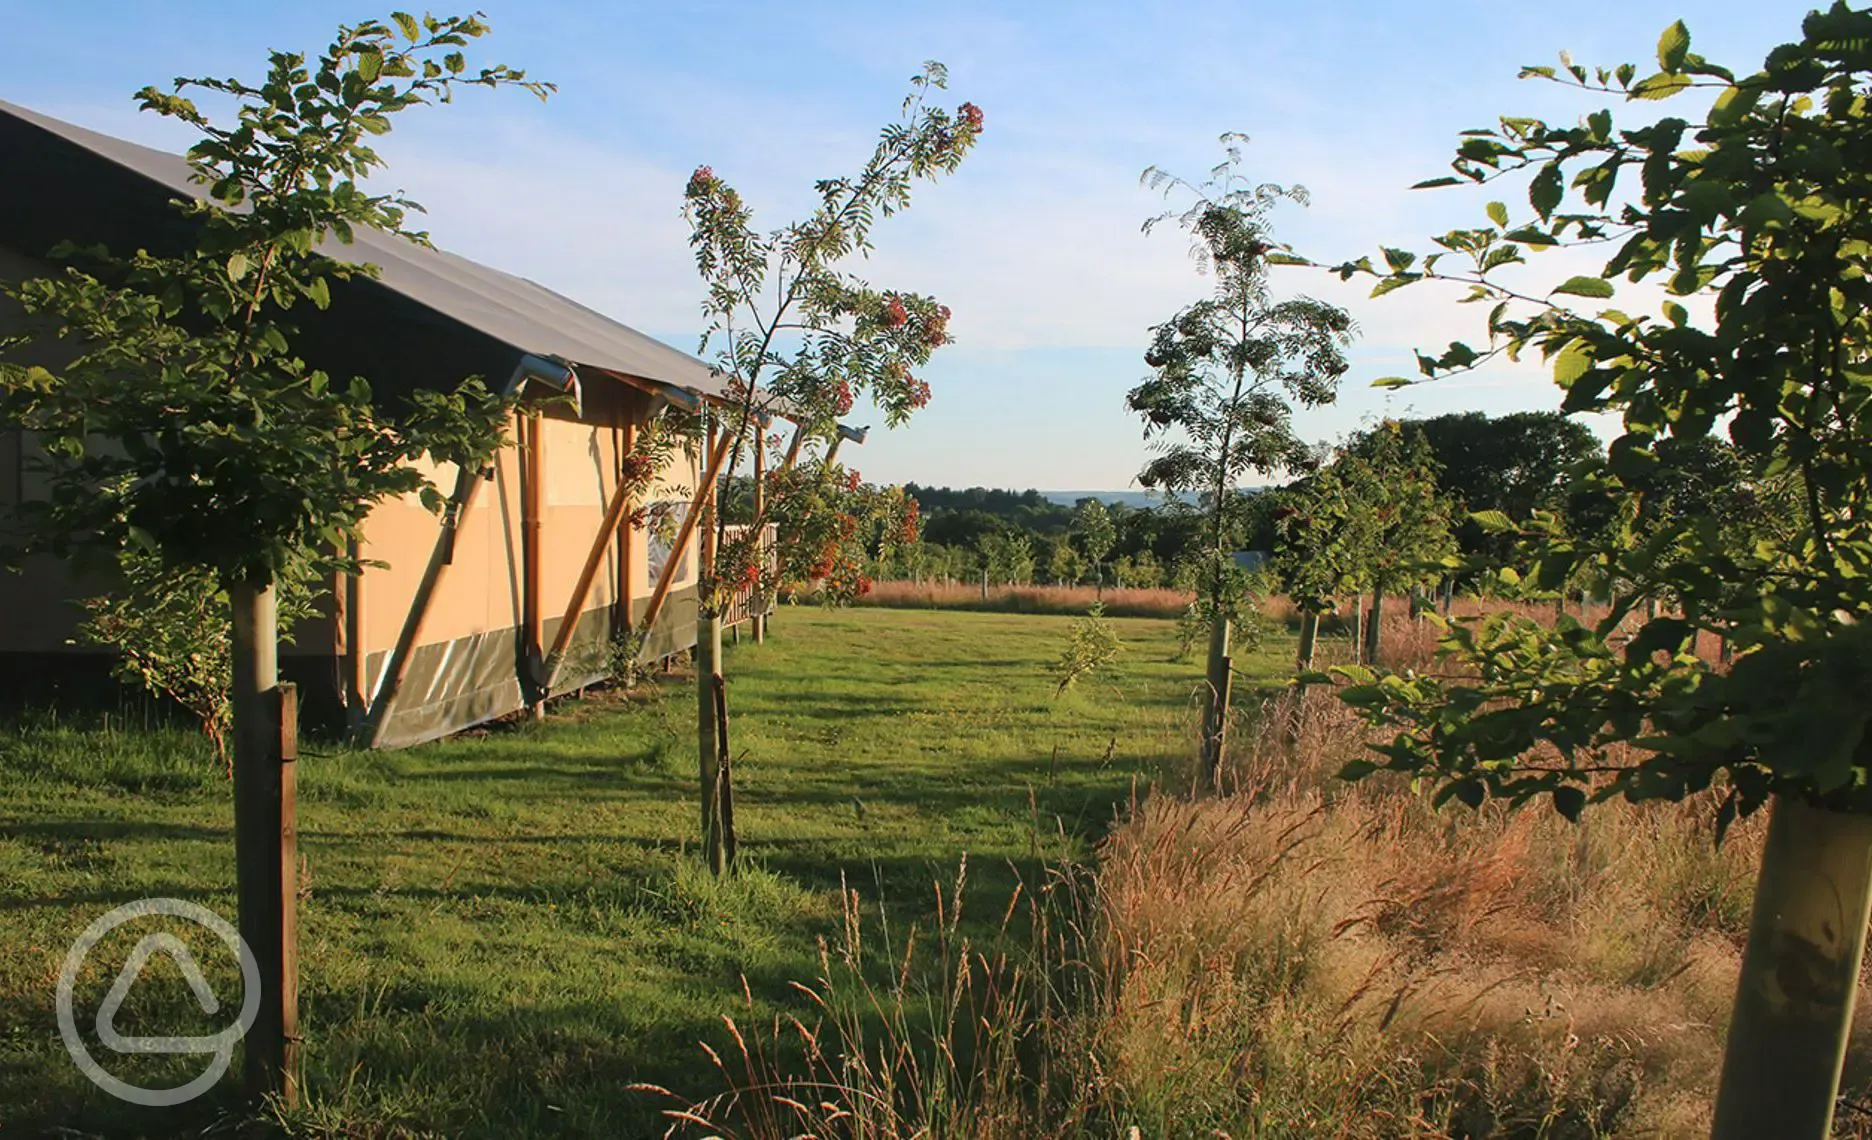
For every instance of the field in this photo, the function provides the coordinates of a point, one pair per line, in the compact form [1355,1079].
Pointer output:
[501,932]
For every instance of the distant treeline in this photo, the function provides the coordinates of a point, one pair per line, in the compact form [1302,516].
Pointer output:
[1514,464]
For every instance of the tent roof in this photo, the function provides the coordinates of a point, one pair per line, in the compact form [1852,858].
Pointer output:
[513,310]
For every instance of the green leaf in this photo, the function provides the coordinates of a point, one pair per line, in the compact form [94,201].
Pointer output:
[1574,361]
[369,65]
[319,290]
[1494,522]
[1660,86]
[1433,183]
[1569,802]
[1672,46]
[412,31]
[1498,213]
[1357,770]
[1732,105]
[1546,190]
[1396,281]
[236,266]
[1393,382]
[1597,287]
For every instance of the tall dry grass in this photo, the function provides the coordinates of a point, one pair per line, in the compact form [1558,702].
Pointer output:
[1118,602]
[1297,958]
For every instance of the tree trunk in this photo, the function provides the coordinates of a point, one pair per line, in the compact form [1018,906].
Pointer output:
[266,861]
[724,788]
[708,741]
[1216,704]
[1800,974]
[1449,597]
[1309,641]
[1374,628]
[984,586]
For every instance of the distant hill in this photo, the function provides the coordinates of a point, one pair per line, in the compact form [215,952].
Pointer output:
[1128,498]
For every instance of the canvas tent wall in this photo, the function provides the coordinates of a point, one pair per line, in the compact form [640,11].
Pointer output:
[429,321]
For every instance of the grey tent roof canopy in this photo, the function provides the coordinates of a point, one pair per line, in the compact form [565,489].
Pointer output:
[46,157]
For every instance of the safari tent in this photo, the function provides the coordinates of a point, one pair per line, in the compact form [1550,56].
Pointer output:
[535,554]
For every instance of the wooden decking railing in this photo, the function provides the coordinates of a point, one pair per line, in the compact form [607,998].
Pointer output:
[750,601]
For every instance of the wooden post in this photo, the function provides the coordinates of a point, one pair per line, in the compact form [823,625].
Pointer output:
[1215,696]
[760,529]
[627,443]
[532,475]
[724,787]
[1374,627]
[286,713]
[708,740]
[265,838]
[1800,974]
[708,657]
[1309,638]
[1358,627]
[356,652]
[1309,642]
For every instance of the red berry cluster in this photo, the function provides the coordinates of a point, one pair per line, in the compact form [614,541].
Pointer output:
[919,394]
[895,315]
[853,480]
[701,182]
[636,469]
[936,333]
[970,114]
[907,530]
[827,560]
[842,398]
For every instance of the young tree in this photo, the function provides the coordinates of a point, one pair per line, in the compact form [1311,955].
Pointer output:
[1227,372]
[1326,537]
[1756,207]
[1515,464]
[1062,561]
[795,332]
[187,426]
[1391,477]
[1093,524]
[169,629]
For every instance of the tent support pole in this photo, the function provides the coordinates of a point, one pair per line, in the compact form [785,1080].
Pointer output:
[397,667]
[568,625]
[684,533]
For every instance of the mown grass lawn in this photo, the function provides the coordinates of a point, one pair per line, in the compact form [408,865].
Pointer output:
[500,933]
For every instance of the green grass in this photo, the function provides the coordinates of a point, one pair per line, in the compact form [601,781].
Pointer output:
[500,933]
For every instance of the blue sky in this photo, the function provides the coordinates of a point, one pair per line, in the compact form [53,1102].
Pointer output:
[1035,243]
